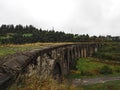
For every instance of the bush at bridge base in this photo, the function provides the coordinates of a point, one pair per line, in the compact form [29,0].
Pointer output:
[106,70]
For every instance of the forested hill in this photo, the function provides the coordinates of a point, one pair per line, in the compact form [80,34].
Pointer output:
[10,34]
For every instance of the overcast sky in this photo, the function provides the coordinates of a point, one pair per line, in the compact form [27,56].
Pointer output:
[93,17]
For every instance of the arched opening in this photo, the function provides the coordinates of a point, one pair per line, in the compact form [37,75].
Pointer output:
[71,60]
[57,72]
[66,59]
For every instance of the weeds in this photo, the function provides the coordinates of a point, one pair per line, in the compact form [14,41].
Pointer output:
[35,83]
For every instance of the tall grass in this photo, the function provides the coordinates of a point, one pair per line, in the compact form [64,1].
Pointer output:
[35,83]
[112,85]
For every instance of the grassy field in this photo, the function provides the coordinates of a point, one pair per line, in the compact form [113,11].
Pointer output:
[91,67]
[10,49]
[110,51]
[112,85]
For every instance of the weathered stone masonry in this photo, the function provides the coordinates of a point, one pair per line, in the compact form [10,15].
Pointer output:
[55,60]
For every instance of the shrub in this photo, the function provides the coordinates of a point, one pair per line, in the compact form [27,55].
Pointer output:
[106,70]
[117,69]
[86,73]
[36,83]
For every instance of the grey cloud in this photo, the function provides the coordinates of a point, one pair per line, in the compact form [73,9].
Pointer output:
[94,17]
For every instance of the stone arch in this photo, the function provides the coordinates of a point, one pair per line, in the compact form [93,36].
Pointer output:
[57,72]
[71,56]
[66,57]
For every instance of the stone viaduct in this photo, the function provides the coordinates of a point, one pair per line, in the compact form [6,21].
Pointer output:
[54,60]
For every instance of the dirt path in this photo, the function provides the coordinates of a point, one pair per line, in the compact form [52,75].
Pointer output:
[88,81]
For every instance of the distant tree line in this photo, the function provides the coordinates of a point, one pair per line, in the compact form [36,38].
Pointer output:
[10,34]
